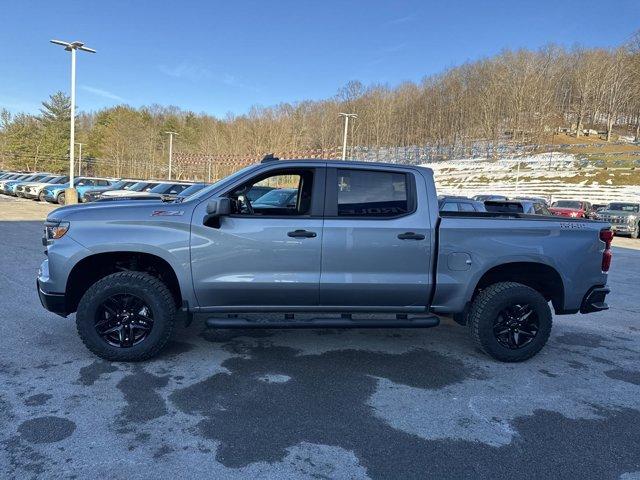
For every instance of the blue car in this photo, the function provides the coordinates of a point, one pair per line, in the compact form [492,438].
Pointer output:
[9,187]
[56,194]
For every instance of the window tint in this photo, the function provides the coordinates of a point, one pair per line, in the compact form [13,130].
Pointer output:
[364,193]
[103,183]
[450,207]
[466,207]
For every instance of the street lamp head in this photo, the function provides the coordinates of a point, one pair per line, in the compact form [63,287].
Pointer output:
[68,46]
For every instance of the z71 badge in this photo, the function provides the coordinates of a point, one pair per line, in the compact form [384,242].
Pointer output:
[167,213]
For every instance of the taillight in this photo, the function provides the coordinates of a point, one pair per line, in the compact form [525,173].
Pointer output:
[606,236]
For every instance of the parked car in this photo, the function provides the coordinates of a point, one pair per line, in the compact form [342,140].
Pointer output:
[482,198]
[277,198]
[9,187]
[257,191]
[459,204]
[164,191]
[31,189]
[533,199]
[363,238]
[572,208]
[143,186]
[18,188]
[9,175]
[56,193]
[623,216]
[16,176]
[517,206]
[94,193]
[187,192]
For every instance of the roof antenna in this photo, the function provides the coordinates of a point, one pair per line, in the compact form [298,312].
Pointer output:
[269,158]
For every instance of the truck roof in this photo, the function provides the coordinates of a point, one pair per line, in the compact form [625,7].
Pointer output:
[339,163]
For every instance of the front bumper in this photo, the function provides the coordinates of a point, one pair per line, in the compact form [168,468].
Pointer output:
[594,300]
[54,302]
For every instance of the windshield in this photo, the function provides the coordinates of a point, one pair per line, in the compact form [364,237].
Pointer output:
[117,185]
[624,207]
[59,180]
[140,186]
[47,179]
[279,198]
[567,204]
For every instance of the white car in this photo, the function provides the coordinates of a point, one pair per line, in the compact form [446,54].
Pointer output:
[139,188]
[33,190]
[152,191]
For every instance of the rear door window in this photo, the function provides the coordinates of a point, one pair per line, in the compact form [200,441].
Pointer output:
[371,193]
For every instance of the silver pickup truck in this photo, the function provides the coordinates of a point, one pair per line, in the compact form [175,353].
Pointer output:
[359,245]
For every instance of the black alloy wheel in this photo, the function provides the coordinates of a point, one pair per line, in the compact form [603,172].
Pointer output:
[516,326]
[123,320]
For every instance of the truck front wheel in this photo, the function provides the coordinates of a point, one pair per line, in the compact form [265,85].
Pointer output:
[510,321]
[126,316]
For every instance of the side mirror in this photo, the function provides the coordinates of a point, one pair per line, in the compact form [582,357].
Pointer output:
[219,207]
[215,209]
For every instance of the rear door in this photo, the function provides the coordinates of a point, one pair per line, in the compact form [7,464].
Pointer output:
[376,249]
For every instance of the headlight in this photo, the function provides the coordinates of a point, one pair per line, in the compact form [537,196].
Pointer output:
[55,230]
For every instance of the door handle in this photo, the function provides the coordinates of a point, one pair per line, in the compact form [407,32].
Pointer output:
[301,234]
[411,236]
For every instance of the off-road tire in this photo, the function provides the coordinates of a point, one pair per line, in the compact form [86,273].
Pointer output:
[150,289]
[485,309]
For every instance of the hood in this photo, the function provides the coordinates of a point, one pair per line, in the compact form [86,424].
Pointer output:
[128,193]
[123,193]
[36,184]
[105,211]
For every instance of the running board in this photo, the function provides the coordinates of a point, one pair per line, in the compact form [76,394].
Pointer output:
[343,322]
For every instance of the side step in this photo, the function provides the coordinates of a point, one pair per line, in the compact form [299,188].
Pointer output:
[345,321]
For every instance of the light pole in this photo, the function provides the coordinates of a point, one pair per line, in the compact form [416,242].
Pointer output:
[79,158]
[171,134]
[72,47]
[346,128]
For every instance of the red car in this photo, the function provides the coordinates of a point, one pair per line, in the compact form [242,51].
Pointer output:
[572,208]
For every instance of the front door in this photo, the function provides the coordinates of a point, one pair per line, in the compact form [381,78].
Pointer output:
[267,252]
[376,245]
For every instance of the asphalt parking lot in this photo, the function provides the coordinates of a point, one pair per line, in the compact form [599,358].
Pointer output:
[314,404]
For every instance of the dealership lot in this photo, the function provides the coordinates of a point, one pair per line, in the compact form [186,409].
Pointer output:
[318,403]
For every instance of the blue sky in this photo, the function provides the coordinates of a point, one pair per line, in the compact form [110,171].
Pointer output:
[224,56]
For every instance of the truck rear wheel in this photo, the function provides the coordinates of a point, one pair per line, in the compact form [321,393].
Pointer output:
[126,316]
[510,321]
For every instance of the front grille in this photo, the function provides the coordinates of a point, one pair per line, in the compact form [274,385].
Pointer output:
[616,220]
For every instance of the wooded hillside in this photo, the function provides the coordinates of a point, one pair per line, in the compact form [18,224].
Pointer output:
[517,96]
